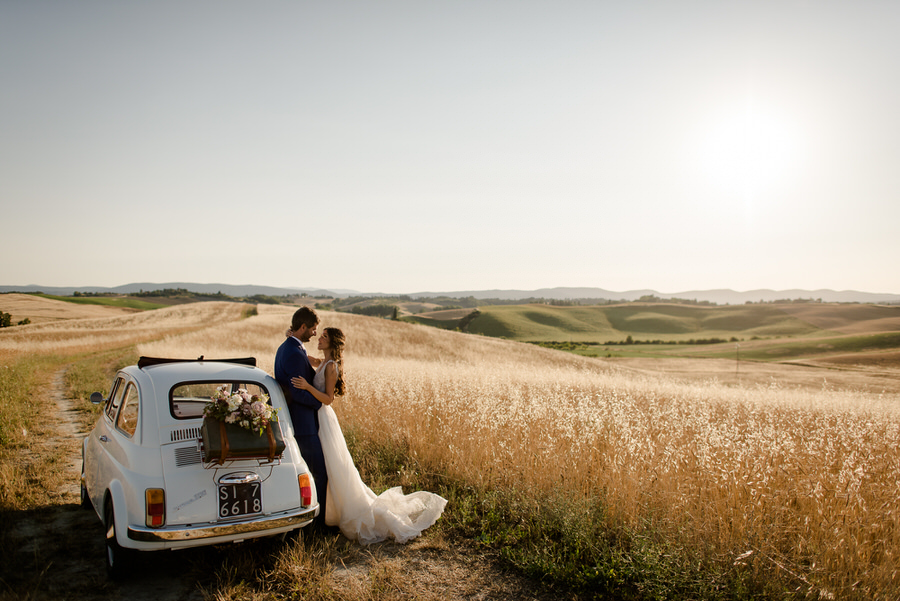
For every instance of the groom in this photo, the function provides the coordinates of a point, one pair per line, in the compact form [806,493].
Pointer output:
[291,361]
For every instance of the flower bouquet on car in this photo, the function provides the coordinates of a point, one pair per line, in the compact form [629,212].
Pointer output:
[238,425]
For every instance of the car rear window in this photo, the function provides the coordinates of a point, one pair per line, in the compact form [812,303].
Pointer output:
[188,399]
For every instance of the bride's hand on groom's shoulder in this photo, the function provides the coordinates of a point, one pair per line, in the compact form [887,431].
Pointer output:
[288,333]
[300,383]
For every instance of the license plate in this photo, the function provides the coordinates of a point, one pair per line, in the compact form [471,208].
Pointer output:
[236,500]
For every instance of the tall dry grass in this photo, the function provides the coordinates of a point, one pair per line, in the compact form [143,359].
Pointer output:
[79,335]
[795,484]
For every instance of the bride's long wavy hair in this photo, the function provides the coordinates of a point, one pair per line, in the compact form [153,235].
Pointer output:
[336,342]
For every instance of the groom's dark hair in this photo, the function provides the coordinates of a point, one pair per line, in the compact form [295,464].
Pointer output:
[304,316]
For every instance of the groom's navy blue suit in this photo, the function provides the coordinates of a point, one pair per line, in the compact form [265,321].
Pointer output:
[290,361]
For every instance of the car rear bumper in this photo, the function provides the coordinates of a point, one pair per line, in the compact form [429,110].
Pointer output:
[277,522]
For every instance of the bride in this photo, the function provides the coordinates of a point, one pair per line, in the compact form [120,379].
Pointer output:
[350,504]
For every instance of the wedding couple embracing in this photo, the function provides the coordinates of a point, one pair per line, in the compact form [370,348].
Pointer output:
[311,385]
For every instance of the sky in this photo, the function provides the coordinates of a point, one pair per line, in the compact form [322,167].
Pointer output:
[410,146]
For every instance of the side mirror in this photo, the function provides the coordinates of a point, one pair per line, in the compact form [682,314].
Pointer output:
[96,398]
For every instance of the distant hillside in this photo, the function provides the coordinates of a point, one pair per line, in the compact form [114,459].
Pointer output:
[229,289]
[669,322]
[719,297]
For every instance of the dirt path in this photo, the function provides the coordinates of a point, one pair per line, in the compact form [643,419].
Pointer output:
[60,553]
[61,544]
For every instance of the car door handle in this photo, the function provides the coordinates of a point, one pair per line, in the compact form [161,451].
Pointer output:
[103,438]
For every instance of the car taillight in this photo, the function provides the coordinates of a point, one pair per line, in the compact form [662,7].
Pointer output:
[156,507]
[305,490]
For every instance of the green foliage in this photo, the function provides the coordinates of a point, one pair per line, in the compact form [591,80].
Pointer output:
[444,324]
[182,293]
[263,299]
[6,320]
[463,324]
[375,310]
[134,300]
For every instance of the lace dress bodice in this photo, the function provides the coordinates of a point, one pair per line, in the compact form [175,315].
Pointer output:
[319,380]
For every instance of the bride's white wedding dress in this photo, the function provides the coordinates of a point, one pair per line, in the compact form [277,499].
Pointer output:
[350,504]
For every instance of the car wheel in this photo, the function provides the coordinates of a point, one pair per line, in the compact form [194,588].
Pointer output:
[117,557]
[85,499]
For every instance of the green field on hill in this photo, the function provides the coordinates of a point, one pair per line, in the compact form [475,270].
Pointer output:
[615,323]
[765,332]
[115,301]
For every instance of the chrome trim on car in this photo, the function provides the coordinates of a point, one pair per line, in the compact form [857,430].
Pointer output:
[239,478]
[178,533]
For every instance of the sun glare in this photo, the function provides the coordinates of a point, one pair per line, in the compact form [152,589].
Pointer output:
[747,151]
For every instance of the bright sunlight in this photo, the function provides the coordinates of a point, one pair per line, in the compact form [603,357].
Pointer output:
[748,150]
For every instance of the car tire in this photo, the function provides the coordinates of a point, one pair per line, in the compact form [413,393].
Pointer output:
[118,558]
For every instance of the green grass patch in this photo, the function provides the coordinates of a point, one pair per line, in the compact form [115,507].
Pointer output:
[655,319]
[543,322]
[603,323]
[123,302]
[444,324]
[780,350]
[577,548]
[661,330]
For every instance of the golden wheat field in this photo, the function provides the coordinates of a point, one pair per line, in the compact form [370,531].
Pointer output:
[777,477]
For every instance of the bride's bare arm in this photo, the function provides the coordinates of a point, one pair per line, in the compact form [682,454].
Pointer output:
[327,397]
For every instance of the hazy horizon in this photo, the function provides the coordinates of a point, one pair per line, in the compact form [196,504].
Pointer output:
[452,146]
[725,295]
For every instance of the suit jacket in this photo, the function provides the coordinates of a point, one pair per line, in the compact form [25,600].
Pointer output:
[290,361]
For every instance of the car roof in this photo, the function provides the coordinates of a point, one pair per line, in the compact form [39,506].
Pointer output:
[166,374]
[158,379]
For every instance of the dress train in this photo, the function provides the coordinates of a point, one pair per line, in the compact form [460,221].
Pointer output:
[360,513]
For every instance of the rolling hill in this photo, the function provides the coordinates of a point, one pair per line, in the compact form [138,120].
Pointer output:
[765,332]
[679,323]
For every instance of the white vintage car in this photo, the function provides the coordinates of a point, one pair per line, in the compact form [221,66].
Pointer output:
[152,479]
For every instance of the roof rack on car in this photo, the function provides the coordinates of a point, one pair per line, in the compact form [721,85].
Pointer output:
[146,361]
